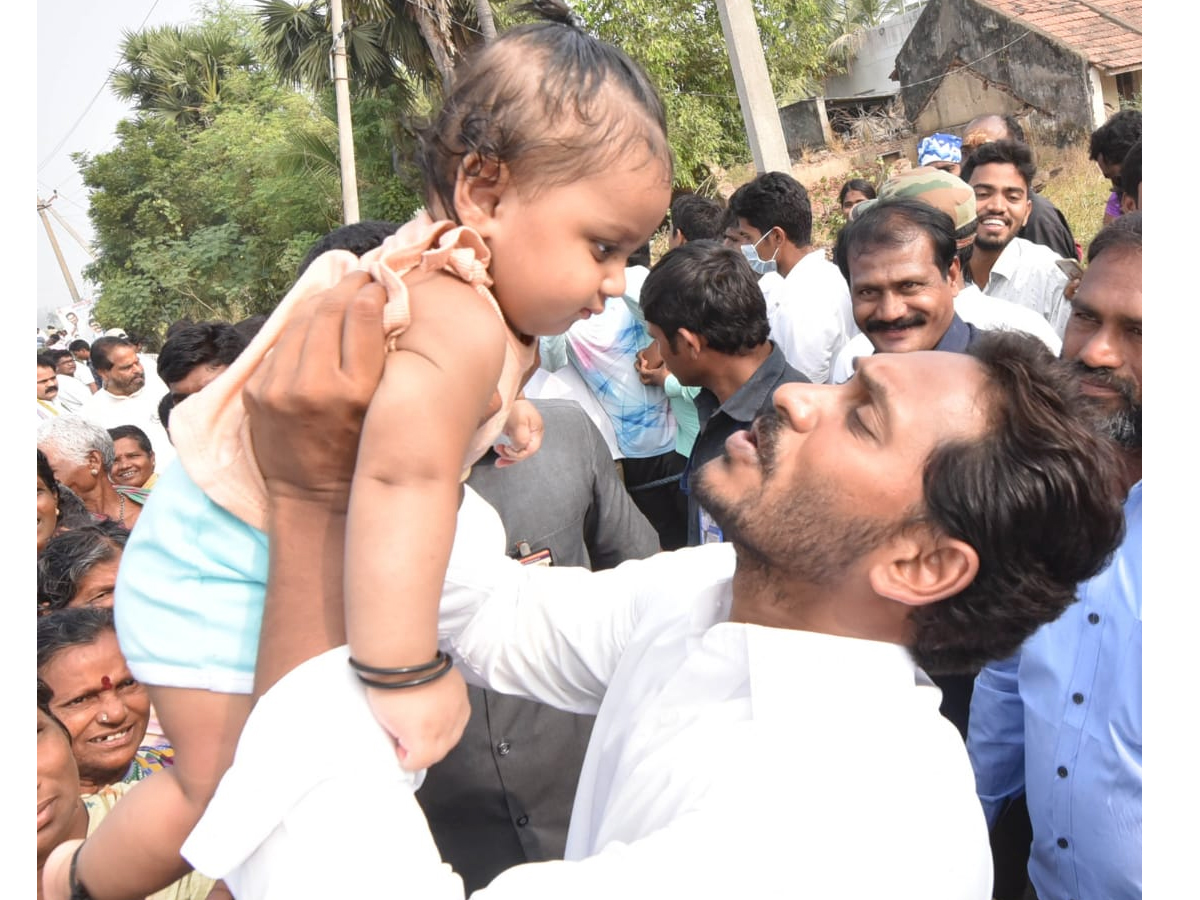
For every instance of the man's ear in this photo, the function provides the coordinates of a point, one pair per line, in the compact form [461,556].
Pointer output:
[479,188]
[1128,203]
[953,274]
[1028,209]
[692,342]
[923,566]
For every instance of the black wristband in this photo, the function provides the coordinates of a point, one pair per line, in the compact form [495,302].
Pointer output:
[445,662]
[78,891]
[438,660]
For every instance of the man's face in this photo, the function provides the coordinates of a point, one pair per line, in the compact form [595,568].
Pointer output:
[742,232]
[900,298]
[126,375]
[1110,170]
[1001,202]
[200,376]
[837,470]
[66,365]
[82,355]
[679,360]
[47,380]
[1103,338]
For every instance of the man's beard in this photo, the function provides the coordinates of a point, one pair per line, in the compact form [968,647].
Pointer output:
[987,243]
[1123,425]
[795,532]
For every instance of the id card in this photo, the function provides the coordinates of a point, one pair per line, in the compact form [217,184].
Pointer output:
[710,532]
[527,556]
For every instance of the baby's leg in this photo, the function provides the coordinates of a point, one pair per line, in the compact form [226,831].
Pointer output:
[135,851]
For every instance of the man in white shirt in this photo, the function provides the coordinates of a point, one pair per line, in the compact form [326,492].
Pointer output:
[1002,264]
[809,310]
[129,397]
[49,404]
[764,726]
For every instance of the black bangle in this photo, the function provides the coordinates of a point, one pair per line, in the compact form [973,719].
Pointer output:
[438,660]
[78,891]
[446,663]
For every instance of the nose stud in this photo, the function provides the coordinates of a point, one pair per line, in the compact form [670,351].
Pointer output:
[104,718]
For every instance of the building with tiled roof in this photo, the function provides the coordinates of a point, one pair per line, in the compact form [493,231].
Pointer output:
[1065,65]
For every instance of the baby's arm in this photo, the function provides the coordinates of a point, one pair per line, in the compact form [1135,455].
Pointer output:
[437,388]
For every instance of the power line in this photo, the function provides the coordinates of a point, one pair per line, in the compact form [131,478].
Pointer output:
[96,96]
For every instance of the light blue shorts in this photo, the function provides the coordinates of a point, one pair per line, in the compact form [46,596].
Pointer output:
[190,591]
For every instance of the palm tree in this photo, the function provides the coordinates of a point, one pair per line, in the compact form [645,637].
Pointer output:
[173,73]
[389,42]
[847,23]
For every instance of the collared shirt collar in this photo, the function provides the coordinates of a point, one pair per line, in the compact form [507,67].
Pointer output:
[747,400]
[958,336]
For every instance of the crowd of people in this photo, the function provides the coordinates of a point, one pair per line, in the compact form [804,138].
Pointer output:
[500,560]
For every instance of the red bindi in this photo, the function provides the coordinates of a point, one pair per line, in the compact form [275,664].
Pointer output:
[106,682]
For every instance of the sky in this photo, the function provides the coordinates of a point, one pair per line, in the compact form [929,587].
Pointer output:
[77,45]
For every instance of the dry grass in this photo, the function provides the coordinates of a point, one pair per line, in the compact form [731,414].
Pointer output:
[1076,187]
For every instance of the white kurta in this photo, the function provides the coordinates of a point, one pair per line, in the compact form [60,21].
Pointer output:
[726,760]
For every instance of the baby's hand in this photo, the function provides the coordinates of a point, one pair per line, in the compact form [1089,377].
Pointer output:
[524,432]
[426,721]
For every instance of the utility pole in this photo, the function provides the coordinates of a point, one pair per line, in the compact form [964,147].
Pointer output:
[42,206]
[341,92]
[759,111]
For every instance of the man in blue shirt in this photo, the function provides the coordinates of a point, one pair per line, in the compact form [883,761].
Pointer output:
[1062,720]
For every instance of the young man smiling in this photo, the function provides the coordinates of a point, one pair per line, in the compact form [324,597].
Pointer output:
[1001,263]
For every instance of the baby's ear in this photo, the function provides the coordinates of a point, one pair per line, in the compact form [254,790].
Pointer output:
[478,191]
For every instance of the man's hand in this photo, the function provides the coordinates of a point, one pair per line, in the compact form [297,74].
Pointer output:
[650,366]
[524,432]
[426,721]
[307,400]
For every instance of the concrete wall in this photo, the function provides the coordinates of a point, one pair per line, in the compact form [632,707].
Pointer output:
[870,70]
[960,97]
[1004,54]
[805,125]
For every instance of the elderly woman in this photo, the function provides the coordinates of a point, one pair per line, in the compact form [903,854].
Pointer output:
[63,814]
[103,707]
[79,567]
[58,509]
[81,454]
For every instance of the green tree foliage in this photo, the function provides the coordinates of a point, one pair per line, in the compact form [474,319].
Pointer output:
[682,48]
[207,216]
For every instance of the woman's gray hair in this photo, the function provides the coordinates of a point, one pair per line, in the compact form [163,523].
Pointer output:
[67,559]
[75,438]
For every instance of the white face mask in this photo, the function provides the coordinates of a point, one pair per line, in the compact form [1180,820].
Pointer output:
[757,263]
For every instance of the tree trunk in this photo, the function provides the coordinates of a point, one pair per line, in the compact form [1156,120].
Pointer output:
[487,24]
[436,38]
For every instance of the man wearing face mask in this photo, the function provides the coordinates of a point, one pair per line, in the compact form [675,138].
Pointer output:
[809,311]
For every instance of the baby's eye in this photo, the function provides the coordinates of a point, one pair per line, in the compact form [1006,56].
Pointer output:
[604,250]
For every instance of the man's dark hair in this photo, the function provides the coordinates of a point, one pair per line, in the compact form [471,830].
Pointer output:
[46,361]
[1037,497]
[196,344]
[710,290]
[71,627]
[895,223]
[1123,233]
[131,431]
[79,344]
[358,238]
[1017,155]
[775,199]
[103,346]
[249,327]
[1116,137]
[70,556]
[1015,131]
[1131,171]
[697,218]
[165,405]
[640,256]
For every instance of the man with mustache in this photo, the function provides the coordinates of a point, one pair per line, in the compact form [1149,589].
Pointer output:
[1062,720]
[1001,263]
[129,397]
